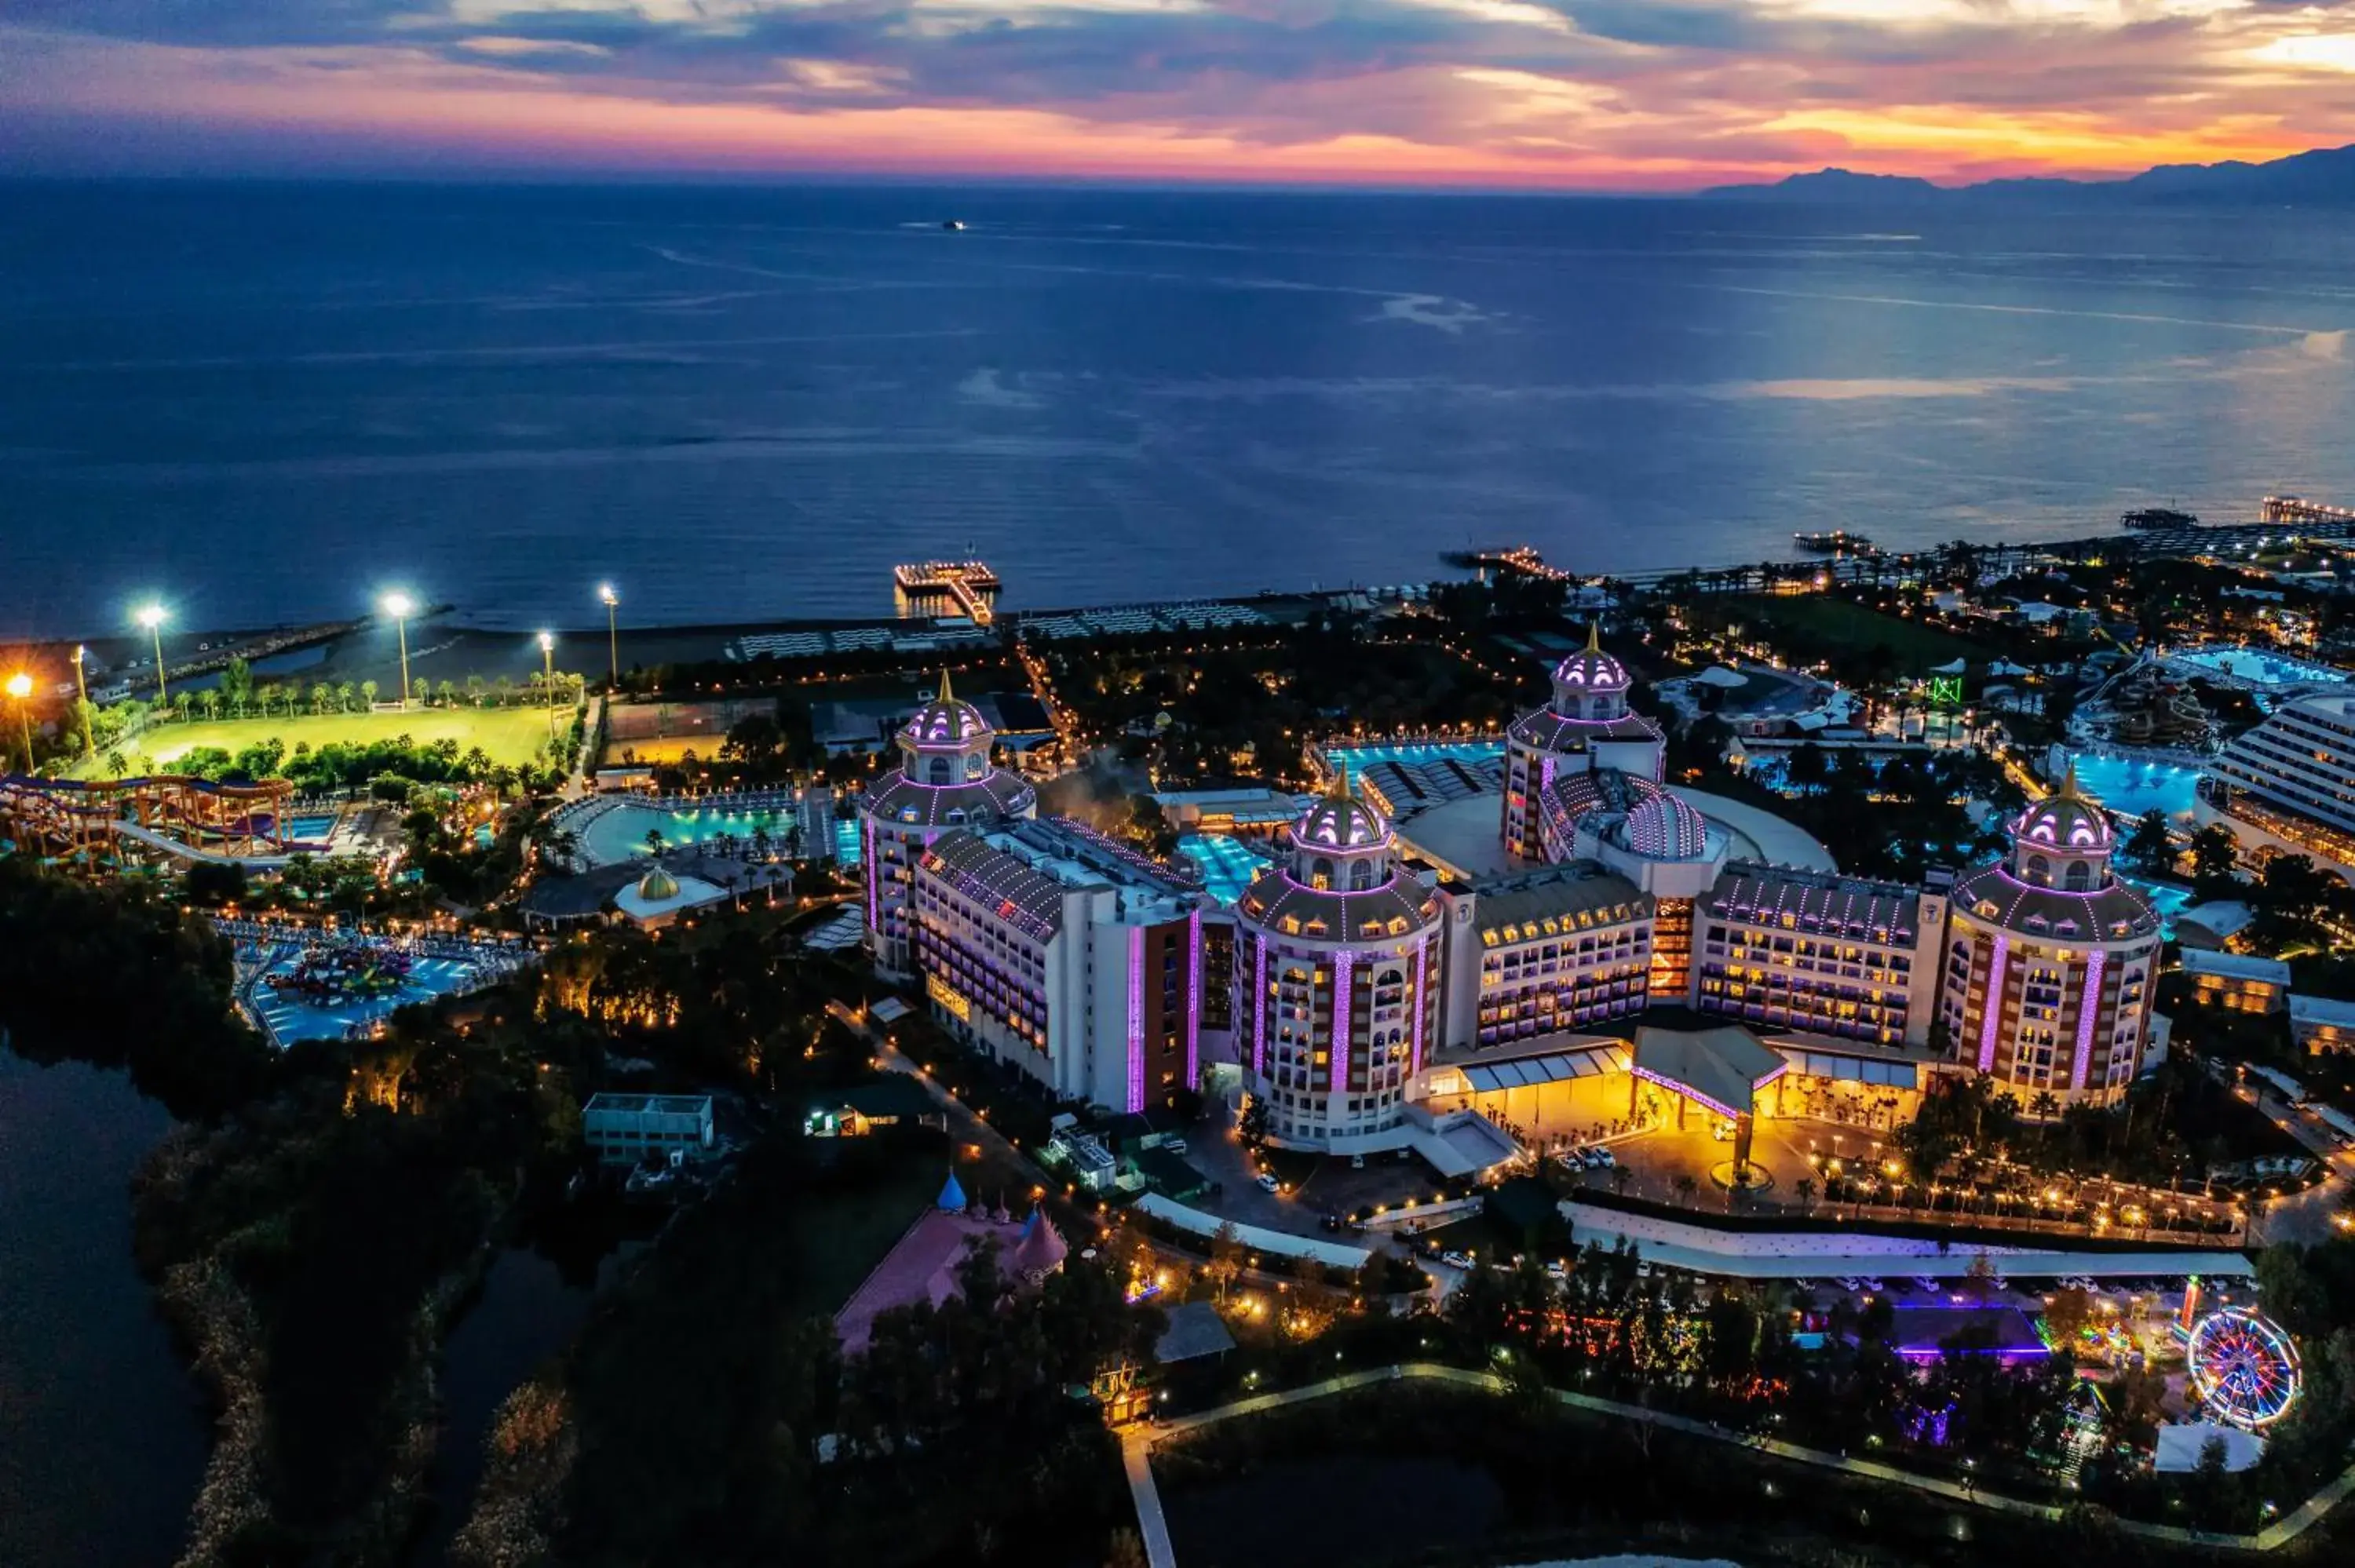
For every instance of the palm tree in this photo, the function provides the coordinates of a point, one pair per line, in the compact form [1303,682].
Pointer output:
[654,841]
[1806,1190]
[445,694]
[1686,1186]
[345,696]
[322,694]
[368,694]
[505,688]
[210,699]
[475,691]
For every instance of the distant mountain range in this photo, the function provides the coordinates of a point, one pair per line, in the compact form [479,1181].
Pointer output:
[2324,177]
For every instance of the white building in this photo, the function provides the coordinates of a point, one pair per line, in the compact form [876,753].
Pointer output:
[1586,724]
[623,1129]
[1051,946]
[2288,785]
[944,782]
[2051,959]
[1335,983]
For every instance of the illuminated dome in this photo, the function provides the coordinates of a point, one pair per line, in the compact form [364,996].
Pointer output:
[2065,820]
[1340,823]
[1662,827]
[1590,669]
[946,721]
[658,885]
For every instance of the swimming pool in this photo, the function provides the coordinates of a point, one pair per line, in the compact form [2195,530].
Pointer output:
[310,830]
[846,841]
[2129,786]
[1360,757]
[1228,863]
[290,1018]
[615,835]
[2255,667]
[2170,901]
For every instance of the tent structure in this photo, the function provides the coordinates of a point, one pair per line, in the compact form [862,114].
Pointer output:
[1040,1251]
[952,1196]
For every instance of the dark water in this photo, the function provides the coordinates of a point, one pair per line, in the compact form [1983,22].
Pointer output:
[102,1437]
[526,1312]
[271,400]
[1365,1511]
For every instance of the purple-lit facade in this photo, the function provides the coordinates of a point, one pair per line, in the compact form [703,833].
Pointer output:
[2050,960]
[1585,724]
[1053,949]
[944,782]
[1336,950]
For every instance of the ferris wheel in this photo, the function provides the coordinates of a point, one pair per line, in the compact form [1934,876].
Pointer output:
[2243,1368]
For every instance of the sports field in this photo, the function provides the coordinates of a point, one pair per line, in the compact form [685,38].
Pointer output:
[506,734]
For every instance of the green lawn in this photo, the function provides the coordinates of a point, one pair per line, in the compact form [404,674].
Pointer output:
[507,735]
[1836,626]
[843,1234]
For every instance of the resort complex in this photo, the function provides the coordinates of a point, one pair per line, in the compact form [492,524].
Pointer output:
[1804,1014]
[1366,974]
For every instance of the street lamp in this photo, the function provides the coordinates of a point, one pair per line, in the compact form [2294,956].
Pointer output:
[613,637]
[20,686]
[400,607]
[152,617]
[547,662]
[82,709]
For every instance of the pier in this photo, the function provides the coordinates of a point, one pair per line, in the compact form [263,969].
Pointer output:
[966,588]
[2296,508]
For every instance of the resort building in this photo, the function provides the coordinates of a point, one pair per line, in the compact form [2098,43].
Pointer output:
[944,782]
[2321,1024]
[2242,981]
[2050,960]
[1563,947]
[2288,785]
[813,823]
[1336,981]
[1585,724]
[1834,955]
[1047,945]
[623,1129]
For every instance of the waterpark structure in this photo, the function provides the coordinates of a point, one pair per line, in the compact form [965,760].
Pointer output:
[193,819]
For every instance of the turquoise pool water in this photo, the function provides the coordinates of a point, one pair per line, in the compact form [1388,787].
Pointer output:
[311,830]
[846,841]
[2168,900]
[1228,863]
[290,1018]
[2262,668]
[2130,787]
[619,833]
[1464,751]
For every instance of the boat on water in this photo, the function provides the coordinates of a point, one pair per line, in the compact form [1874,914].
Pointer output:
[953,224]
[2159,517]
[1837,542]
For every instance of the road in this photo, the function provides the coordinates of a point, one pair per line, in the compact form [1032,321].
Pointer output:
[2312,1215]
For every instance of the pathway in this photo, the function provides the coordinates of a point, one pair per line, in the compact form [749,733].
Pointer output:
[1138,1443]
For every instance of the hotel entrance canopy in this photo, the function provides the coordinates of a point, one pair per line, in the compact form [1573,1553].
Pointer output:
[1721,1068]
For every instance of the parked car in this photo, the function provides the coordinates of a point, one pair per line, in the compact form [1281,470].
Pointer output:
[1874,1285]
[1173,1145]
[1357,1163]
[1268,1183]
[1851,1283]
[1457,1259]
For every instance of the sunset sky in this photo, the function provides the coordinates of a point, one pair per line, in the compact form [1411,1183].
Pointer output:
[1574,94]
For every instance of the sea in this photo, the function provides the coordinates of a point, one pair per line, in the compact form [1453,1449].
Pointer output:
[269,401]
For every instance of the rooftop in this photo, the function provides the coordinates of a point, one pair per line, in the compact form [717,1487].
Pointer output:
[647,1104]
[2235,965]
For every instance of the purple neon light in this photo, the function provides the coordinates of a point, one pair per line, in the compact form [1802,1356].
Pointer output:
[872,873]
[2088,1010]
[1341,962]
[1422,972]
[1136,1018]
[1994,1003]
[1260,1011]
[1193,996]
